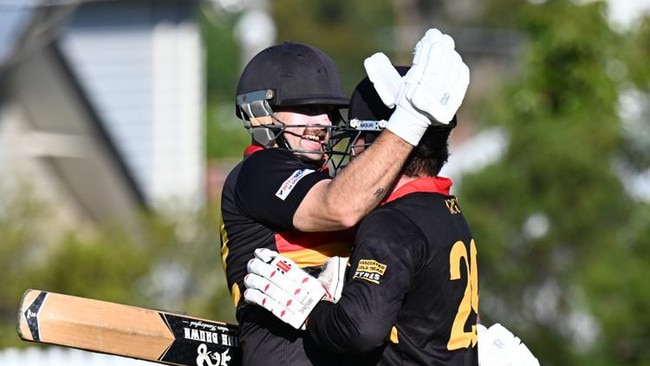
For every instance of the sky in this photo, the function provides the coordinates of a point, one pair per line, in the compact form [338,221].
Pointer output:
[625,12]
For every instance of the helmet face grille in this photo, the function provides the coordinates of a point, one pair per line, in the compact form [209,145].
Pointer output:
[297,74]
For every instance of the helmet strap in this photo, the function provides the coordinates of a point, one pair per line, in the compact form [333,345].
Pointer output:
[282,142]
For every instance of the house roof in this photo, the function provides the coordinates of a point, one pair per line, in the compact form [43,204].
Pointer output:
[26,25]
[66,133]
[13,19]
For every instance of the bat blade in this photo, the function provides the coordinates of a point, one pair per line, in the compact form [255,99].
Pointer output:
[128,331]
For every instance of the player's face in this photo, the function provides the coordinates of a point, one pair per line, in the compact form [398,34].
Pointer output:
[307,129]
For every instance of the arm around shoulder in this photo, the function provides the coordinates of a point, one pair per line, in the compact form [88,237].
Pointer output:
[342,202]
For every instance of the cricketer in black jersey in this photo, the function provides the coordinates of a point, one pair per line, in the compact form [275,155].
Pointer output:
[259,199]
[411,292]
[288,96]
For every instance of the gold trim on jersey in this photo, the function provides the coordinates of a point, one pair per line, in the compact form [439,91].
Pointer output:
[225,250]
[236,293]
[224,245]
[319,255]
[394,337]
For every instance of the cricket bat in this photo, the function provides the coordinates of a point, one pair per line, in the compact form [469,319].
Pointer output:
[116,329]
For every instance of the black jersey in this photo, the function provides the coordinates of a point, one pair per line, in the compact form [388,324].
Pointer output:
[259,199]
[411,292]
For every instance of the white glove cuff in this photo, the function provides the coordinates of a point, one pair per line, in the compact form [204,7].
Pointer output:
[408,126]
[332,277]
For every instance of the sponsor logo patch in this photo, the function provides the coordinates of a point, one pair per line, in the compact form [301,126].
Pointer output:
[370,270]
[282,266]
[289,184]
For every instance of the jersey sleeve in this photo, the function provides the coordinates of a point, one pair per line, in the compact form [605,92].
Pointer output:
[382,269]
[271,185]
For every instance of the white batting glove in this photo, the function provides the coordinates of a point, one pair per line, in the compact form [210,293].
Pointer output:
[384,77]
[332,277]
[441,78]
[431,91]
[280,286]
[497,346]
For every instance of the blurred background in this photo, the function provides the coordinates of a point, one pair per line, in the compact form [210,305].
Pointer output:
[117,128]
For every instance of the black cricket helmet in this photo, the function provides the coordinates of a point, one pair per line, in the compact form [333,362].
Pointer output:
[285,75]
[367,117]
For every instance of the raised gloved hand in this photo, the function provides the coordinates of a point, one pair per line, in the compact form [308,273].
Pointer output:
[497,346]
[431,91]
[280,286]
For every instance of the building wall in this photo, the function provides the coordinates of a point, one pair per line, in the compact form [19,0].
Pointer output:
[26,180]
[141,65]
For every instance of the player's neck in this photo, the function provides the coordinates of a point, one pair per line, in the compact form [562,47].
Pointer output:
[402,181]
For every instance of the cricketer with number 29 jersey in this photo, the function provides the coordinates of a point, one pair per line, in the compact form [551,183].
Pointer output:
[412,280]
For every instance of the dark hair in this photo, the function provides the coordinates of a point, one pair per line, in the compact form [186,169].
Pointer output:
[430,155]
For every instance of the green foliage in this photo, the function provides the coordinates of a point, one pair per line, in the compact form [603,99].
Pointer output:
[19,241]
[222,56]
[635,53]
[615,280]
[502,14]
[558,175]
[632,63]
[562,247]
[347,30]
[171,263]
[225,134]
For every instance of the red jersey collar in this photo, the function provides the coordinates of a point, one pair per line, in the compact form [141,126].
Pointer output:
[251,149]
[440,185]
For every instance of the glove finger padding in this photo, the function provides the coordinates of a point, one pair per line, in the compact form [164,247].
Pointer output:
[423,61]
[280,303]
[405,122]
[431,91]
[280,286]
[279,269]
[385,78]
[281,295]
[258,297]
[266,255]
[422,49]
[265,271]
[444,81]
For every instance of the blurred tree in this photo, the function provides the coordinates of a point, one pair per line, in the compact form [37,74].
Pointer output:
[631,67]
[615,282]
[173,264]
[563,247]
[225,135]
[347,30]
[560,240]
[20,247]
